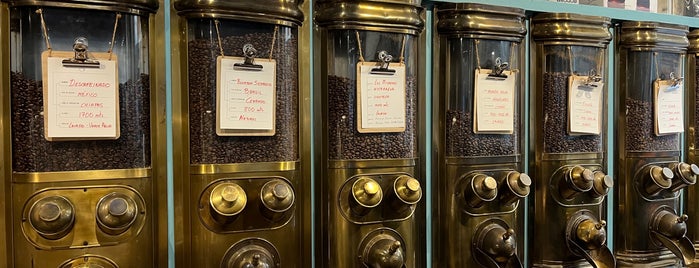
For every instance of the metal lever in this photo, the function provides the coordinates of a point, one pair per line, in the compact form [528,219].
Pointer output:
[683,247]
[249,52]
[385,59]
[80,59]
[601,257]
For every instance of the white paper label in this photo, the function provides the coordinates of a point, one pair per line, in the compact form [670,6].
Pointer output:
[246,99]
[584,106]
[669,117]
[381,99]
[494,102]
[82,102]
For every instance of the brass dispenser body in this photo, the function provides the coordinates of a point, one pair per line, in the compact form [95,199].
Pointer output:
[568,137]
[478,167]
[648,225]
[86,165]
[241,195]
[692,85]
[368,186]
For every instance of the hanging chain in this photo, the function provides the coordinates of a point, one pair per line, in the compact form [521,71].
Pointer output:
[43,27]
[274,37]
[116,23]
[359,45]
[218,35]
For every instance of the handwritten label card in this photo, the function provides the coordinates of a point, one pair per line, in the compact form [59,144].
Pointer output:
[80,102]
[245,99]
[380,99]
[494,103]
[584,106]
[669,101]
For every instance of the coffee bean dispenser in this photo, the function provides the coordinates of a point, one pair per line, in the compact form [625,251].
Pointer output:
[649,228]
[85,151]
[368,186]
[239,191]
[568,140]
[478,167]
[692,135]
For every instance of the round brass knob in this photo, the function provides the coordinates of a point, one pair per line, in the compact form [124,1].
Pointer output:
[52,217]
[670,225]
[602,184]
[251,256]
[407,189]
[592,234]
[659,178]
[116,212]
[228,199]
[497,241]
[685,175]
[482,189]
[277,196]
[367,192]
[518,186]
[577,180]
[384,251]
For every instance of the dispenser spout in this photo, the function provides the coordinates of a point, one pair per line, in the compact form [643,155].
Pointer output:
[496,246]
[600,257]
[586,237]
[682,247]
[671,231]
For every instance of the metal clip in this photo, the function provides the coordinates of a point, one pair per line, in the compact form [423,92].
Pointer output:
[590,83]
[385,59]
[249,52]
[81,58]
[498,69]
[675,82]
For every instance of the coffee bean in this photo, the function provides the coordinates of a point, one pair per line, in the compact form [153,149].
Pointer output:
[206,147]
[31,152]
[640,129]
[462,141]
[346,142]
[557,139]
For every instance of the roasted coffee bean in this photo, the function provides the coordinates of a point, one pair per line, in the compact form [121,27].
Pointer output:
[206,147]
[31,152]
[462,141]
[345,141]
[640,129]
[557,139]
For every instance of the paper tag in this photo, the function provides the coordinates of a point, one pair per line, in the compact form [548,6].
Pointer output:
[80,102]
[245,99]
[584,106]
[669,100]
[494,103]
[380,99]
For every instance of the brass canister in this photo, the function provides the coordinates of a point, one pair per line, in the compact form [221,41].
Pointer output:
[568,135]
[479,107]
[649,228]
[238,110]
[369,186]
[691,121]
[83,150]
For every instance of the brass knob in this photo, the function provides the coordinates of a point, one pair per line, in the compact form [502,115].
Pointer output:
[602,183]
[577,180]
[228,199]
[116,212]
[277,196]
[407,189]
[658,179]
[385,252]
[252,256]
[591,233]
[366,194]
[482,189]
[685,175]
[499,243]
[517,186]
[52,217]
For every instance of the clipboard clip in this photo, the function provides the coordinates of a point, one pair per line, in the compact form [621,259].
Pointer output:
[591,82]
[498,69]
[676,81]
[249,52]
[385,59]
[81,58]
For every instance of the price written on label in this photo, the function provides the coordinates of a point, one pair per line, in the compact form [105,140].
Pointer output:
[669,100]
[246,99]
[82,102]
[494,102]
[381,100]
[584,106]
